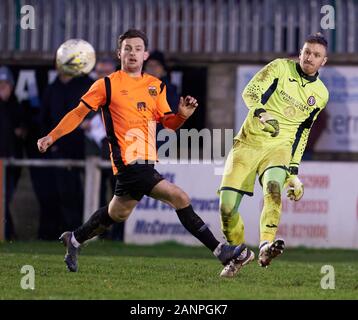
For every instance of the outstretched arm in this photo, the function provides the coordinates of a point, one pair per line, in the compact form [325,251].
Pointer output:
[68,123]
[186,108]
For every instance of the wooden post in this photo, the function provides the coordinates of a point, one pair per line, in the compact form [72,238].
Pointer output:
[92,187]
[2,200]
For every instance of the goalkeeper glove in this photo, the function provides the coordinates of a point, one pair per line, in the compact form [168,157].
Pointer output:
[295,187]
[270,124]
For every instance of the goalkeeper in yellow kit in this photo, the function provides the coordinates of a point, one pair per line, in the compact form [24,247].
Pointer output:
[284,99]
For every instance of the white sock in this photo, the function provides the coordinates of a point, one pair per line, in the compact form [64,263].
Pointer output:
[74,242]
[217,250]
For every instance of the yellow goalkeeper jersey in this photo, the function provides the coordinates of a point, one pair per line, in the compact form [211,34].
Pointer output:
[290,96]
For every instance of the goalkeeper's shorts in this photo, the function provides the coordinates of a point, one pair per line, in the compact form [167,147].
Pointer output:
[245,161]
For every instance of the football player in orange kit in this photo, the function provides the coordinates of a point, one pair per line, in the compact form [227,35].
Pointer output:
[131,103]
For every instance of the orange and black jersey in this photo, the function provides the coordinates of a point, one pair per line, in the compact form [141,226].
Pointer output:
[130,115]
[131,107]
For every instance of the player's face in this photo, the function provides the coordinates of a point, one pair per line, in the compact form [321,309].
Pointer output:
[132,54]
[312,57]
[5,90]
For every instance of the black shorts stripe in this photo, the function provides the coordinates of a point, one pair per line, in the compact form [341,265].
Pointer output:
[262,174]
[108,121]
[250,194]
[166,113]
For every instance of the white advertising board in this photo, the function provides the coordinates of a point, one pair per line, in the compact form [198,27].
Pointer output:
[326,217]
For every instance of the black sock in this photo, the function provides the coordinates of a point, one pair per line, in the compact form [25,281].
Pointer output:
[97,224]
[193,223]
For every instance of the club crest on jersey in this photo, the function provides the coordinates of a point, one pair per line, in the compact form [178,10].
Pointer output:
[311,100]
[141,106]
[152,91]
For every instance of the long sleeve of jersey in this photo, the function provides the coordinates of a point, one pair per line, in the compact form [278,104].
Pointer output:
[173,121]
[70,121]
[261,86]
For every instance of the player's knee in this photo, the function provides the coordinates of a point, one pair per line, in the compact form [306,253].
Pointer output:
[119,213]
[273,190]
[180,199]
[227,209]
[273,187]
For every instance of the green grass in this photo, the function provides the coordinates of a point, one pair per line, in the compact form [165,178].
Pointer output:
[110,270]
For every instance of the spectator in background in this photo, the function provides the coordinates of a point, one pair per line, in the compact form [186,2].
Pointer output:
[156,66]
[11,136]
[96,145]
[66,183]
[104,67]
[41,177]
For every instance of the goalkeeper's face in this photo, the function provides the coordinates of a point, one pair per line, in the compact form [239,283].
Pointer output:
[132,54]
[312,57]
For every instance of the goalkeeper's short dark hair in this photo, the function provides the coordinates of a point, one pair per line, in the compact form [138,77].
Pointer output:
[317,38]
[133,33]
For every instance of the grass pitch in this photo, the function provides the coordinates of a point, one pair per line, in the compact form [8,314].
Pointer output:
[112,270]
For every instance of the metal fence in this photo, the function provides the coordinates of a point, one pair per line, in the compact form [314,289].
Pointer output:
[180,26]
[92,180]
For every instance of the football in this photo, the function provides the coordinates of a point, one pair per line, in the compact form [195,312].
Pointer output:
[75,57]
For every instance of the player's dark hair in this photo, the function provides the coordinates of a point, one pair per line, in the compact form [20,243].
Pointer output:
[317,38]
[133,33]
